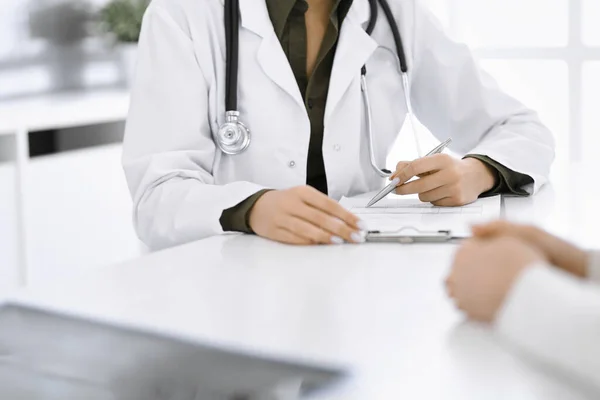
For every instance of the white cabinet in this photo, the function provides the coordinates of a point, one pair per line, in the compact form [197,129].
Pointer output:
[78,213]
[8,227]
[68,211]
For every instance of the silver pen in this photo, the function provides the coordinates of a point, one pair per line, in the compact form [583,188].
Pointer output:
[392,186]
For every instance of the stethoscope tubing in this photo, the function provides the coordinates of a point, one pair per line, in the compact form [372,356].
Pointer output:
[232,19]
[232,43]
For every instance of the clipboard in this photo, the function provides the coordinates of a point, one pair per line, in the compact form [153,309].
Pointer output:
[410,235]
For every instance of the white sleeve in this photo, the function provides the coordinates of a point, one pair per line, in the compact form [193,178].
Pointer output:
[555,318]
[594,266]
[168,151]
[454,98]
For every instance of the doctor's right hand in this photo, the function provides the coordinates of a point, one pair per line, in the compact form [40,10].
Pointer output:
[304,216]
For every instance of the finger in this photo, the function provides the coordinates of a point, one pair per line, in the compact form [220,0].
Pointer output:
[404,170]
[456,303]
[399,167]
[308,231]
[335,226]
[445,202]
[471,243]
[426,184]
[318,200]
[449,287]
[425,165]
[284,236]
[499,228]
[435,195]
[490,229]
[448,202]
[450,292]
[405,173]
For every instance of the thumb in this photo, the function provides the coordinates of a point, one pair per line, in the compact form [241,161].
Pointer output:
[480,230]
[489,229]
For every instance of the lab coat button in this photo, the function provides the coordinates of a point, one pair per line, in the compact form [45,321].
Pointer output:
[292,164]
[337,147]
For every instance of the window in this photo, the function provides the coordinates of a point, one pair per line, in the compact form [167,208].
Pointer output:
[591,110]
[591,17]
[546,53]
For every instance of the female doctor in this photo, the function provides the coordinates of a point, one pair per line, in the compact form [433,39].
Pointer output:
[256,115]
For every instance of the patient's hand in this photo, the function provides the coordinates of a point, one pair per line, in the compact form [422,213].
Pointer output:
[484,271]
[558,252]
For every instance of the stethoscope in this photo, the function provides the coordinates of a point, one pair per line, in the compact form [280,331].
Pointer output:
[234,137]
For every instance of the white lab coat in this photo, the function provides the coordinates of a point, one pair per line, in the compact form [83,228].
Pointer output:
[555,318]
[181,183]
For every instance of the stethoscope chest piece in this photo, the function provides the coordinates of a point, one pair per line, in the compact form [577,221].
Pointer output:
[233,136]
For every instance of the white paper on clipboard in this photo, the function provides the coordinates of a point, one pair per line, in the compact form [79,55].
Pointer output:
[397,212]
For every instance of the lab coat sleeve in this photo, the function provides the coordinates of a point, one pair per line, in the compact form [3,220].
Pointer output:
[168,150]
[554,318]
[453,97]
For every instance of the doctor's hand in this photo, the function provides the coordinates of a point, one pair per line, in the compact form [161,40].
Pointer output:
[444,180]
[304,216]
[560,253]
[484,272]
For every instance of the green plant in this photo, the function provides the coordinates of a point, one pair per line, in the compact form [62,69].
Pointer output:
[123,18]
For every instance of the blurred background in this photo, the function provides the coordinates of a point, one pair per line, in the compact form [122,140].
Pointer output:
[65,67]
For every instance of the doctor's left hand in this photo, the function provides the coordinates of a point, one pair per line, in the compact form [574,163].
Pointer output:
[444,180]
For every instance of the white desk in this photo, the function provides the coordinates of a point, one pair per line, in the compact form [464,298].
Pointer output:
[48,112]
[379,309]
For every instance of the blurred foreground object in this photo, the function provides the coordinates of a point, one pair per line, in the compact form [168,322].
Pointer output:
[48,355]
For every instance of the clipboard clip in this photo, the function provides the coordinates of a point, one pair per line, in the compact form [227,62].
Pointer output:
[410,235]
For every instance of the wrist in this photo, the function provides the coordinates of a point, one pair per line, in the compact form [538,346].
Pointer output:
[580,265]
[563,254]
[251,215]
[484,178]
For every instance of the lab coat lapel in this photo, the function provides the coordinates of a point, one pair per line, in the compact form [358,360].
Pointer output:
[271,58]
[354,48]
